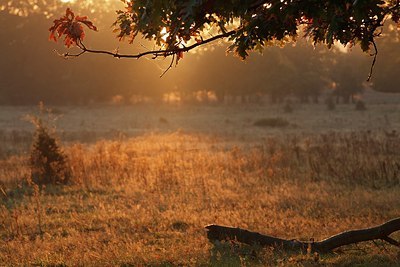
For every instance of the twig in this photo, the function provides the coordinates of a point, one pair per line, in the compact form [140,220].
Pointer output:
[381,247]
[391,241]
[169,67]
[154,53]
[375,54]
[2,191]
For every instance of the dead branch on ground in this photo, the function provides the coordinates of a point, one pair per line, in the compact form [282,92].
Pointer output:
[382,232]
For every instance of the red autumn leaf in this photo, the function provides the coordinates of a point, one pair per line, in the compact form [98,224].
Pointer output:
[71,27]
[179,56]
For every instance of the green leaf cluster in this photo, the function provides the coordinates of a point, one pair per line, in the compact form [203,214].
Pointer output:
[254,24]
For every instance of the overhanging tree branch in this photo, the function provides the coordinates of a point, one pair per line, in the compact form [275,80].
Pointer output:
[257,24]
[375,55]
[153,53]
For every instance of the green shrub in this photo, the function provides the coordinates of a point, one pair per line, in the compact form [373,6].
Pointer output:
[271,122]
[48,162]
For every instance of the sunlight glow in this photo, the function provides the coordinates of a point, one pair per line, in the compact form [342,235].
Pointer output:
[342,48]
[164,34]
[25,8]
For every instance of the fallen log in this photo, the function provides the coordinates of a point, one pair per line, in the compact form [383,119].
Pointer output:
[383,232]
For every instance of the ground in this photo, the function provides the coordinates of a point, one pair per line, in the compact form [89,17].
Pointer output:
[147,179]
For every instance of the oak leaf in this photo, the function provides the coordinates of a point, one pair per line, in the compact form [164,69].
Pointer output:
[71,27]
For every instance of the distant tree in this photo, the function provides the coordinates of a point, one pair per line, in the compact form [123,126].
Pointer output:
[386,78]
[179,26]
[309,75]
[345,75]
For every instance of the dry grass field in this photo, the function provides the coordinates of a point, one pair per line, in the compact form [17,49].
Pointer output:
[145,182]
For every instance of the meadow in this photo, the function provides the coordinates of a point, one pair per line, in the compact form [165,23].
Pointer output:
[146,180]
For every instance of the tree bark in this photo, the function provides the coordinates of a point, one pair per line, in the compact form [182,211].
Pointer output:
[220,233]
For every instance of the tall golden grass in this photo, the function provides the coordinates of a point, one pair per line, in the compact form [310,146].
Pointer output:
[145,200]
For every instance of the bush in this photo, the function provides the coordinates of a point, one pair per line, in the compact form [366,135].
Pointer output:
[330,103]
[271,122]
[48,162]
[360,105]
